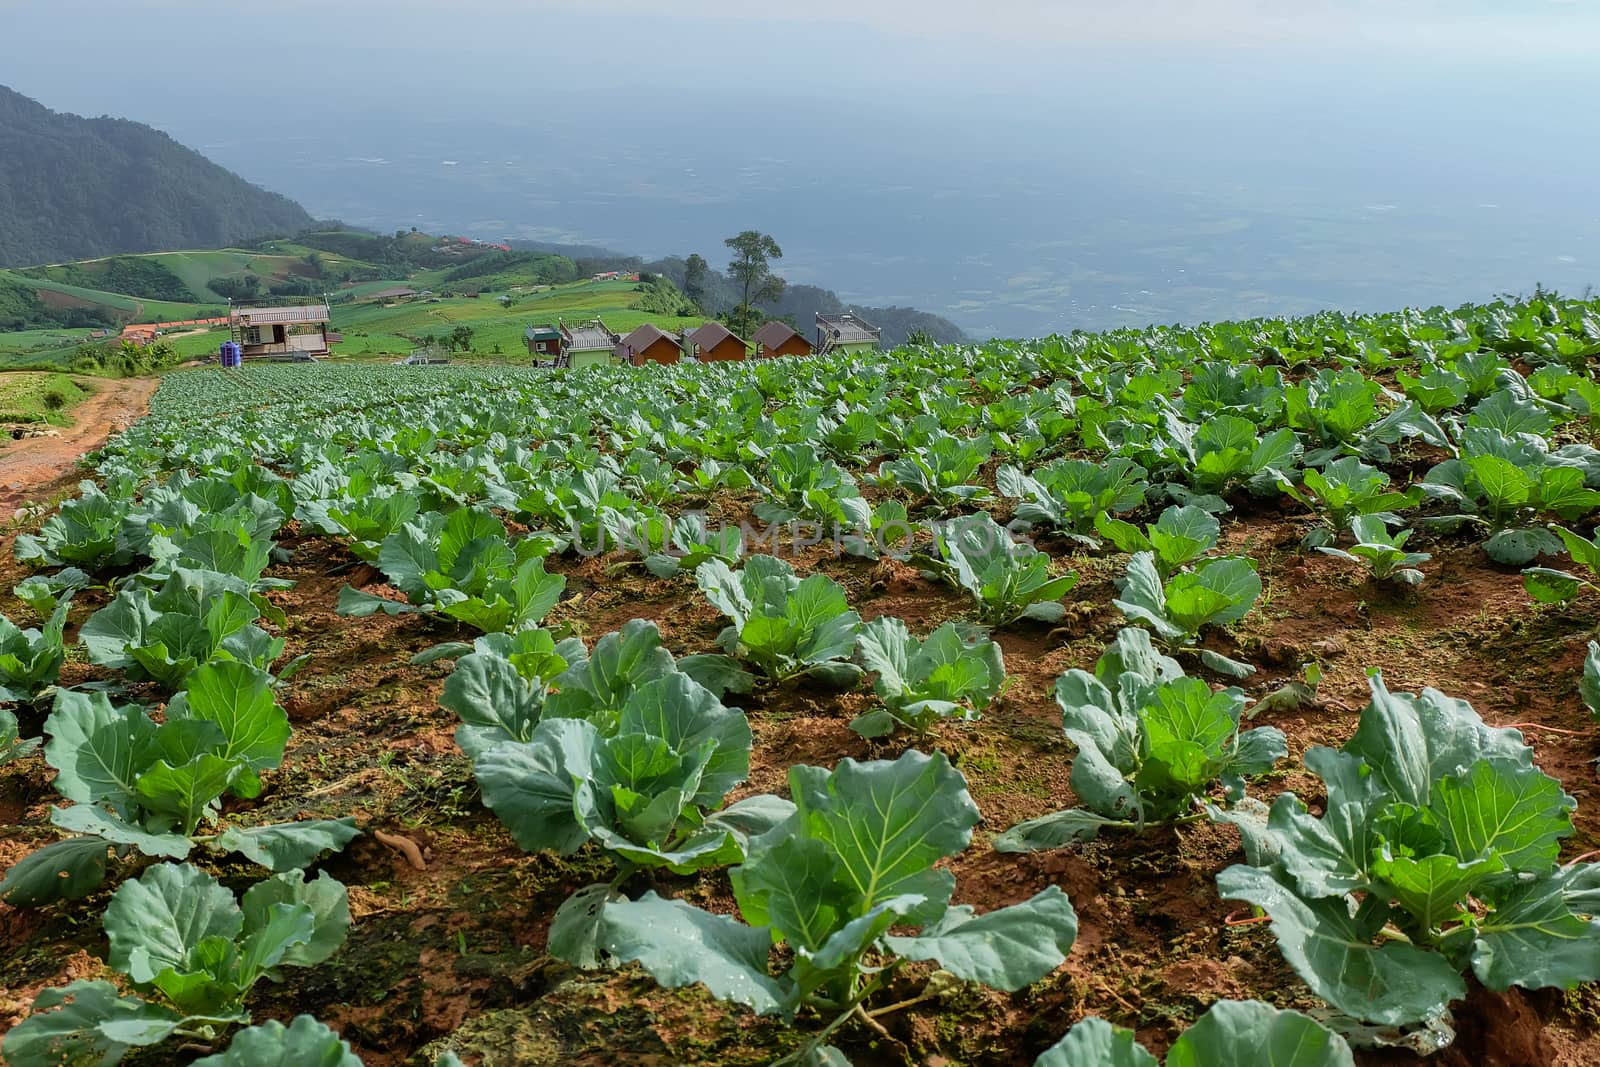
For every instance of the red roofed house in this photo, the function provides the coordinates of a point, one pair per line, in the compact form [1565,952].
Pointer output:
[649,344]
[779,339]
[714,343]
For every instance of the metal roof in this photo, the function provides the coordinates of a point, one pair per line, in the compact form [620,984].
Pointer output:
[541,333]
[711,335]
[647,335]
[590,336]
[289,316]
[774,333]
[848,329]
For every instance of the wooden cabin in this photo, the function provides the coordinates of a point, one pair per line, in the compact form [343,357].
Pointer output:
[649,344]
[589,345]
[846,333]
[715,343]
[299,332]
[779,339]
[544,344]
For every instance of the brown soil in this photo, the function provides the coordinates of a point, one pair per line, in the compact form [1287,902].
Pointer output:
[458,945]
[36,468]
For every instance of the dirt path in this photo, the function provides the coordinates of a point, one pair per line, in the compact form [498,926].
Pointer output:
[34,467]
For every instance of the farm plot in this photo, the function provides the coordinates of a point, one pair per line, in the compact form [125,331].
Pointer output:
[1205,691]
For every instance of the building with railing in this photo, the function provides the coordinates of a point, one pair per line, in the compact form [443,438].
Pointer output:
[282,333]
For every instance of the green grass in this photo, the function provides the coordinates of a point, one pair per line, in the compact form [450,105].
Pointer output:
[196,269]
[40,348]
[141,310]
[369,329]
[40,397]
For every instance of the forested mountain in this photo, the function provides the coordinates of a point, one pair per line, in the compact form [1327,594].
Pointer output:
[74,188]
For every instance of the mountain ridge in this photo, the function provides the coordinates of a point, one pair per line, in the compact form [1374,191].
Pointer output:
[75,188]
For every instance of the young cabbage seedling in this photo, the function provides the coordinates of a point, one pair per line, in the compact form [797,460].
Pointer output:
[1009,581]
[787,626]
[30,660]
[1383,552]
[941,678]
[1344,490]
[1151,743]
[137,786]
[1217,591]
[1179,537]
[1073,496]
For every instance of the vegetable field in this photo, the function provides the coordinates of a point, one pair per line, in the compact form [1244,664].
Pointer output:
[1213,696]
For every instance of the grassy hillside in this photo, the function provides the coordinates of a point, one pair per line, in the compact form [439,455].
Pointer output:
[36,398]
[496,294]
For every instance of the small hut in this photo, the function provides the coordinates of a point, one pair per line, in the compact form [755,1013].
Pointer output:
[779,339]
[715,343]
[649,344]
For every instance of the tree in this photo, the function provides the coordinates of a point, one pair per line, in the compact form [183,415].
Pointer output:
[751,267]
[694,278]
[460,338]
[743,320]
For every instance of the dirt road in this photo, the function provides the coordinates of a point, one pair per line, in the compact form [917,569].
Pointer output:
[35,468]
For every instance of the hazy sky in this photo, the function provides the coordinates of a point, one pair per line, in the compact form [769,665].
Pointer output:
[114,55]
[1173,157]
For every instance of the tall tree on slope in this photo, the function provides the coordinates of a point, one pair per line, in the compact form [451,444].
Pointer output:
[751,267]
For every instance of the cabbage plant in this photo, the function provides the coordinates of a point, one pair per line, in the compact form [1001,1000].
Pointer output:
[925,682]
[628,752]
[1345,489]
[1503,484]
[155,789]
[1215,592]
[855,860]
[1008,580]
[787,626]
[367,520]
[1224,452]
[13,746]
[92,531]
[1383,553]
[944,470]
[30,660]
[1551,586]
[804,484]
[1073,495]
[1179,536]
[1231,1033]
[1435,854]
[1151,744]
[675,546]
[193,953]
[305,1042]
[464,566]
[196,617]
